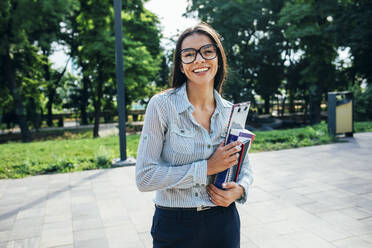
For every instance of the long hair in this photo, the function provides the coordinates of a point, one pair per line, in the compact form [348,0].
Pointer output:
[178,78]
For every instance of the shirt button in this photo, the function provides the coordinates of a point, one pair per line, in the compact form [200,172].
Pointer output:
[182,131]
[209,146]
[196,194]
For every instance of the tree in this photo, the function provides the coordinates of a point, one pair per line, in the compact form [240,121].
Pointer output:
[24,26]
[91,39]
[253,43]
[352,25]
[307,23]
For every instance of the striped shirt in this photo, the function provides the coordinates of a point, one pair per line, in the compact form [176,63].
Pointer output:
[174,149]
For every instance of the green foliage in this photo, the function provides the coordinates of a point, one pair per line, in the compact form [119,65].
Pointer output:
[362,103]
[292,138]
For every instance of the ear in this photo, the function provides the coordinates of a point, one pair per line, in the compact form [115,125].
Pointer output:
[181,69]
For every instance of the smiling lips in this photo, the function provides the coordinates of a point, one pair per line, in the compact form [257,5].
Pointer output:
[201,69]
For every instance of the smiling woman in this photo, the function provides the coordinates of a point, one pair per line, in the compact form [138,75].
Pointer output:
[181,150]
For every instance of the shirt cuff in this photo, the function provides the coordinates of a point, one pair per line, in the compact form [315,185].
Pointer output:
[200,172]
[243,198]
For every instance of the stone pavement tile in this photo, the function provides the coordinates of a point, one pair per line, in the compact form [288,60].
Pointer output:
[92,243]
[284,227]
[84,210]
[7,224]
[58,209]
[123,236]
[5,235]
[28,243]
[307,240]
[12,200]
[141,220]
[326,231]
[332,193]
[146,239]
[87,223]
[88,234]
[292,197]
[347,223]
[352,242]
[263,237]
[256,194]
[31,212]
[247,220]
[319,207]
[366,237]
[57,218]
[366,204]
[356,213]
[246,243]
[65,225]
[27,228]
[52,237]
[112,208]
[3,244]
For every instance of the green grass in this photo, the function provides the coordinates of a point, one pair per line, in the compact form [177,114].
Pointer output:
[42,157]
[81,153]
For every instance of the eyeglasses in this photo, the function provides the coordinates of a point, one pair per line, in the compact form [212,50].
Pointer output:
[208,52]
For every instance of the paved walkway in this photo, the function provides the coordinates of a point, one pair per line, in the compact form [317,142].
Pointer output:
[308,197]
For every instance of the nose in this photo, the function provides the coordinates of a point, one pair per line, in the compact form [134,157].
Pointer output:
[199,57]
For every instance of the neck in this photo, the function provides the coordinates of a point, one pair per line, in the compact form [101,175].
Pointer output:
[200,96]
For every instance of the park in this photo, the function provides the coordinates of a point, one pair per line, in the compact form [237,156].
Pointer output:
[61,128]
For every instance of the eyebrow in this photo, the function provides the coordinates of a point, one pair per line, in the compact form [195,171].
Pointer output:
[187,48]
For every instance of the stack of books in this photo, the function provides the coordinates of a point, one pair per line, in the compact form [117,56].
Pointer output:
[236,132]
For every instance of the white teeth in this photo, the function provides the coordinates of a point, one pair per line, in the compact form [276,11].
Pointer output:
[201,69]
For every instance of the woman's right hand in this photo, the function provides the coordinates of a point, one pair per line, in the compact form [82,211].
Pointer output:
[223,158]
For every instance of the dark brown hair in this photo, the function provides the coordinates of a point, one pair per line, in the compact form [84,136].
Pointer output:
[178,78]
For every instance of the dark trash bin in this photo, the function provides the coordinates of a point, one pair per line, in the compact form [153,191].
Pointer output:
[340,113]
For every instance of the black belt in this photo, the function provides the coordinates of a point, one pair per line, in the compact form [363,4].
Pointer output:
[201,208]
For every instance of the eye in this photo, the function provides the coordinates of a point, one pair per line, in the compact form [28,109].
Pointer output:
[188,53]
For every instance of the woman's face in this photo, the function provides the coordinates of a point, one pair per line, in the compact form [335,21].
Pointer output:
[201,71]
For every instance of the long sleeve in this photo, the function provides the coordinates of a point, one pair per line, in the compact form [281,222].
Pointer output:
[245,178]
[152,172]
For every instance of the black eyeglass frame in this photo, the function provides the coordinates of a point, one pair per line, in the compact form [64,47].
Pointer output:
[198,51]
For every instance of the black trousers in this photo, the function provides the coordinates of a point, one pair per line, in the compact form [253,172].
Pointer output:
[218,227]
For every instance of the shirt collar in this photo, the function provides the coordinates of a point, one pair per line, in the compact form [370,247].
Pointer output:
[183,102]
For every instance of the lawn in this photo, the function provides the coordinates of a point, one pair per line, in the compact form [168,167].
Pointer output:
[81,153]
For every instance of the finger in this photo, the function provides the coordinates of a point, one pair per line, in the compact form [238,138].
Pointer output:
[233,159]
[232,144]
[213,190]
[234,150]
[216,198]
[229,185]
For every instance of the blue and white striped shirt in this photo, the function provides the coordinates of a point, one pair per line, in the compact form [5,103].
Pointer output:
[174,149]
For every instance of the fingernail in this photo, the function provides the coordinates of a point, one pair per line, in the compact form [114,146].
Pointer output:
[224,185]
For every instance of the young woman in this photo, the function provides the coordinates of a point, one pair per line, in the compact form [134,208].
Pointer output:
[181,150]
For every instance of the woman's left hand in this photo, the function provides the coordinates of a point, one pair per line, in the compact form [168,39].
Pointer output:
[224,198]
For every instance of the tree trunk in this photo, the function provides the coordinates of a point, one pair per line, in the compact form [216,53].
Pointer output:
[15,91]
[97,104]
[51,90]
[305,109]
[267,104]
[84,102]
[51,94]
[316,113]
[283,107]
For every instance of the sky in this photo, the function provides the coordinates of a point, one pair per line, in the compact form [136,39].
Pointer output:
[170,15]
[171,21]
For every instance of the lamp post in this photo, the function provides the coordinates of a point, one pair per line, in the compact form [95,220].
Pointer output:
[123,160]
